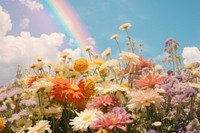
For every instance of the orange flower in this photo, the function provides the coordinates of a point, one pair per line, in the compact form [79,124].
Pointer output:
[149,81]
[2,124]
[81,65]
[31,80]
[144,63]
[60,89]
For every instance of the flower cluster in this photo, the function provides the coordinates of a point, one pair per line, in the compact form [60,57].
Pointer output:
[104,95]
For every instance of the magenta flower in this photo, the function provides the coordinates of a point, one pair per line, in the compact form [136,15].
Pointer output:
[119,118]
[104,103]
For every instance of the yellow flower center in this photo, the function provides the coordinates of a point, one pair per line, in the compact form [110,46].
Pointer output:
[74,87]
[87,117]
[106,87]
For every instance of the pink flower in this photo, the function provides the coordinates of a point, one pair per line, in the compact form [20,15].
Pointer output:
[104,103]
[119,118]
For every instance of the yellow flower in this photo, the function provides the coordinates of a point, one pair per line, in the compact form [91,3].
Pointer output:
[97,62]
[39,65]
[81,65]
[188,66]
[89,86]
[2,124]
[195,73]
[125,26]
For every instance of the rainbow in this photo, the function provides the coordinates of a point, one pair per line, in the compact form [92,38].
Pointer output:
[69,22]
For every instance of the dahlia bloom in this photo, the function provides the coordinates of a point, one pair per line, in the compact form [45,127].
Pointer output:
[140,99]
[117,118]
[104,103]
[149,81]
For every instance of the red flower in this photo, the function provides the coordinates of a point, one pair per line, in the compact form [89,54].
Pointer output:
[149,81]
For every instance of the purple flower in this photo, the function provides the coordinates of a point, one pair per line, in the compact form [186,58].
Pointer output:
[151,131]
[13,92]
[118,110]
[29,102]
[188,93]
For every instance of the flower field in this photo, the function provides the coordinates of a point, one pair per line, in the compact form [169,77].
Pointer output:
[100,94]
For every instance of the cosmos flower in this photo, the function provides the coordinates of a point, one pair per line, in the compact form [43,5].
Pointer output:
[40,127]
[149,81]
[85,119]
[140,99]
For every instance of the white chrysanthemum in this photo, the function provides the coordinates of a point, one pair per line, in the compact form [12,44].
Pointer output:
[110,89]
[57,67]
[128,57]
[125,26]
[42,84]
[106,53]
[40,127]
[139,99]
[85,119]
[110,63]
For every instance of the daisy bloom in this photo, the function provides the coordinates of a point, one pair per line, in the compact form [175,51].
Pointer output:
[55,111]
[114,37]
[149,81]
[125,26]
[110,63]
[106,53]
[88,48]
[97,62]
[140,99]
[41,127]
[42,84]
[21,125]
[85,119]
[128,57]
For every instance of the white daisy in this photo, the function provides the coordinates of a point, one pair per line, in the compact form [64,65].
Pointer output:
[128,57]
[106,53]
[125,26]
[40,127]
[85,119]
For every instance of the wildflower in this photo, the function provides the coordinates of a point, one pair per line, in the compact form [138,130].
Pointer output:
[53,111]
[81,65]
[118,118]
[40,127]
[97,62]
[2,124]
[114,37]
[39,65]
[42,84]
[139,99]
[85,119]
[21,125]
[104,103]
[125,26]
[157,124]
[106,53]
[128,57]
[88,48]
[149,81]
[110,63]
[28,102]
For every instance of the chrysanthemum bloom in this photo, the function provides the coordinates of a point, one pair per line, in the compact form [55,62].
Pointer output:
[104,103]
[125,26]
[128,57]
[40,127]
[85,119]
[106,53]
[81,65]
[2,124]
[61,86]
[119,118]
[140,99]
[149,81]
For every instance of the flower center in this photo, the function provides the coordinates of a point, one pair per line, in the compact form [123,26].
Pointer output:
[106,87]
[74,87]
[87,117]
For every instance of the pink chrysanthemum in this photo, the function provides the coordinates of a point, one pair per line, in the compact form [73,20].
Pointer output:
[104,103]
[118,118]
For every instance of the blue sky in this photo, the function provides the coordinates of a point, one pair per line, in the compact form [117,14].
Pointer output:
[153,21]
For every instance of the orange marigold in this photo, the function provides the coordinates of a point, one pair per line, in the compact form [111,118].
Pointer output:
[81,65]
[149,81]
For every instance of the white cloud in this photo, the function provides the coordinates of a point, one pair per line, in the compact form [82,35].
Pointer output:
[24,23]
[190,55]
[24,48]
[5,22]
[32,5]
[91,41]
[74,54]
